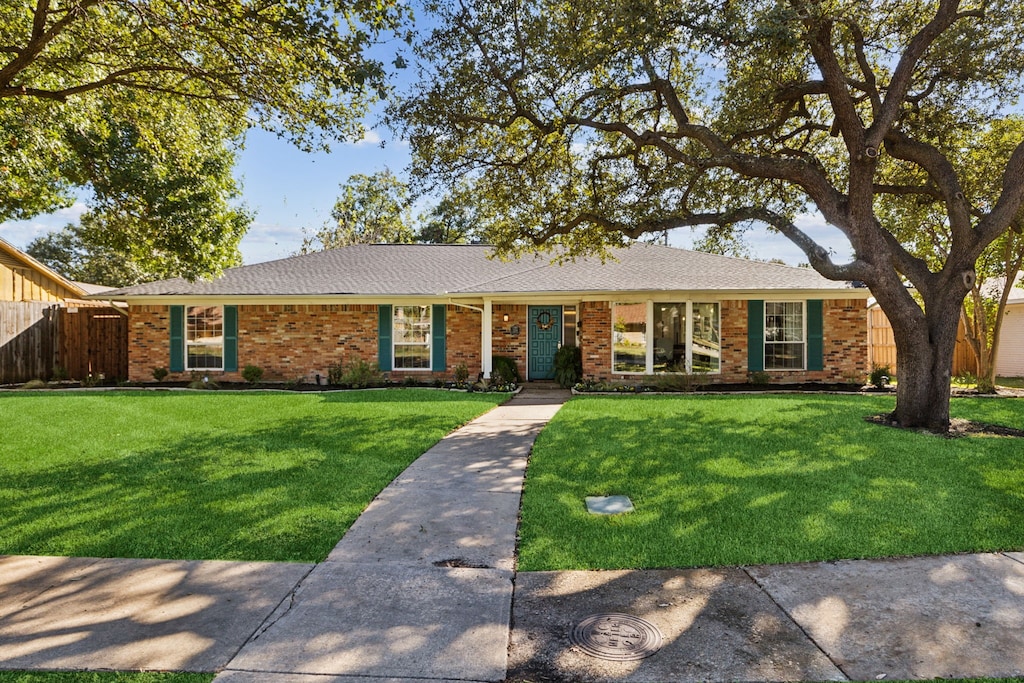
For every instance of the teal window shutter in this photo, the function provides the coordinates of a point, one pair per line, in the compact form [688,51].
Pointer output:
[815,337]
[384,338]
[177,339]
[230,338]
[438,356]
[755,335]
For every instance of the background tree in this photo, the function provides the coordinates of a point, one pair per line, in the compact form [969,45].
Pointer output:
[69,70]
[450,221]
[371,209]
[585,125]
[923,226]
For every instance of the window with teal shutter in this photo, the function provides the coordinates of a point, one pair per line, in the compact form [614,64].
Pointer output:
[439,359]
[815,336]
[230,338]
[755,335]
[384,337]
[177,339]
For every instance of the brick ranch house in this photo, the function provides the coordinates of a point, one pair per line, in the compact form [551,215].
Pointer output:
[422,310]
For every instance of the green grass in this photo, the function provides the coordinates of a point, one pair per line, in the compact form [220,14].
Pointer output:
[733,480]
[100,677]
[210,475]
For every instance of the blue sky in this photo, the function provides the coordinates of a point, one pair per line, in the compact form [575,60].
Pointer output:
[290,190]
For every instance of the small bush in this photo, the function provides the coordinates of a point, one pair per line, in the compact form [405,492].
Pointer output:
[59,373]
[879,376]
[760,377]
[568,366]
[504,370]
[34,384]
[252,373]
[357,374]
[461,373]
[159,374]
[410,381]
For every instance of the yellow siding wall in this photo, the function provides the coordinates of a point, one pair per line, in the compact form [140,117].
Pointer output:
[19,282]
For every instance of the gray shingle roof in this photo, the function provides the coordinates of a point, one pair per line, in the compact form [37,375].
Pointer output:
[434,269]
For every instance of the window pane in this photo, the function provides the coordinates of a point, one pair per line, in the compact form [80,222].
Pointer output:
[412,325]
[784,335]
[412,357]
[205,357]
[707,351]
[204,338]
[670,337]
[629,338]
[568,326]
[411,330]
[784,356]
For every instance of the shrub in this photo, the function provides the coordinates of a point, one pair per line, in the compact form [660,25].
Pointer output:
[461,374]
[252,373]
[568,366]
[504,370]
[760,377]
[159,374]
[879,376]
[59,373]
[34,384]
[357,374]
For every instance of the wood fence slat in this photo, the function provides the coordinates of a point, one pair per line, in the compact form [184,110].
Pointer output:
[28,340]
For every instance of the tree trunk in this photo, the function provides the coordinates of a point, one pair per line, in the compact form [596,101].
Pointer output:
[924,352]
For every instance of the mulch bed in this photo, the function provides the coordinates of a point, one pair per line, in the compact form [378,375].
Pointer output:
[957,427]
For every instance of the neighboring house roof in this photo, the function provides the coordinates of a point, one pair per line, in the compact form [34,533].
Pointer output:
[376,270]
[994,287]
[59,286]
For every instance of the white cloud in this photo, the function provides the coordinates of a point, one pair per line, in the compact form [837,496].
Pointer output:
[370,137]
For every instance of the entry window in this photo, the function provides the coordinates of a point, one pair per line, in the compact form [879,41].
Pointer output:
[706,345]
[784,336]
[411,329]
[629,337]
[204,338]
[670,337]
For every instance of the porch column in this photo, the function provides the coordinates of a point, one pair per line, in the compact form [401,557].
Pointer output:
[485,340]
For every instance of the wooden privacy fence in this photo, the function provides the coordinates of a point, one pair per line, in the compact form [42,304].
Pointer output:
[94,341]
[28,340]
[38,337]
[882,345]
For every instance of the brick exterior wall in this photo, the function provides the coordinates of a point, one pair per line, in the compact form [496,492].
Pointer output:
[293,342]
[300,341]
[505,341]
[844,327]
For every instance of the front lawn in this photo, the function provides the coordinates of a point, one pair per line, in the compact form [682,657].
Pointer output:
[207,475]
[734,480]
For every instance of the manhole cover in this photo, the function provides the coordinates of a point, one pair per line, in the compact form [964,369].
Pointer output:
[618,637]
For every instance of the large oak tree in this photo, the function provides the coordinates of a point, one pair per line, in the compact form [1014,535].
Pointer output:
[585,124]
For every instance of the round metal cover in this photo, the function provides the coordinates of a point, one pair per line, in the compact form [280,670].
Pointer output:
[618,637]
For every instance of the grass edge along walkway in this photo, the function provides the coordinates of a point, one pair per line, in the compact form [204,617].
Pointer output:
[740,480]
[207,475]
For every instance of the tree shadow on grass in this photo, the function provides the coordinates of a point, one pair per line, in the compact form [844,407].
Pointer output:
[286,491]
[760,481]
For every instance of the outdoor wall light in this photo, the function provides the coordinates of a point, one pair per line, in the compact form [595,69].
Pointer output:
[504,317]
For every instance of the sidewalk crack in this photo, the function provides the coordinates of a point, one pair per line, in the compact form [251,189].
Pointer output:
[796,623]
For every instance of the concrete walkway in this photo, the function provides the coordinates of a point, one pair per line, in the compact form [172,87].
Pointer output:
[421,585]
[421,588]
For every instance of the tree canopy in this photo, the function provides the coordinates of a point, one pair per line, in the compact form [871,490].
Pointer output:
[584,125]
[85,77]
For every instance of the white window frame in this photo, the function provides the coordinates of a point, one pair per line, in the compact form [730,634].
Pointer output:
[430,338]
[649,331]
[802,342]
[189,343]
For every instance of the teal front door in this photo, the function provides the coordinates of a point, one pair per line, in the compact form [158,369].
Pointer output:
[545,338]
